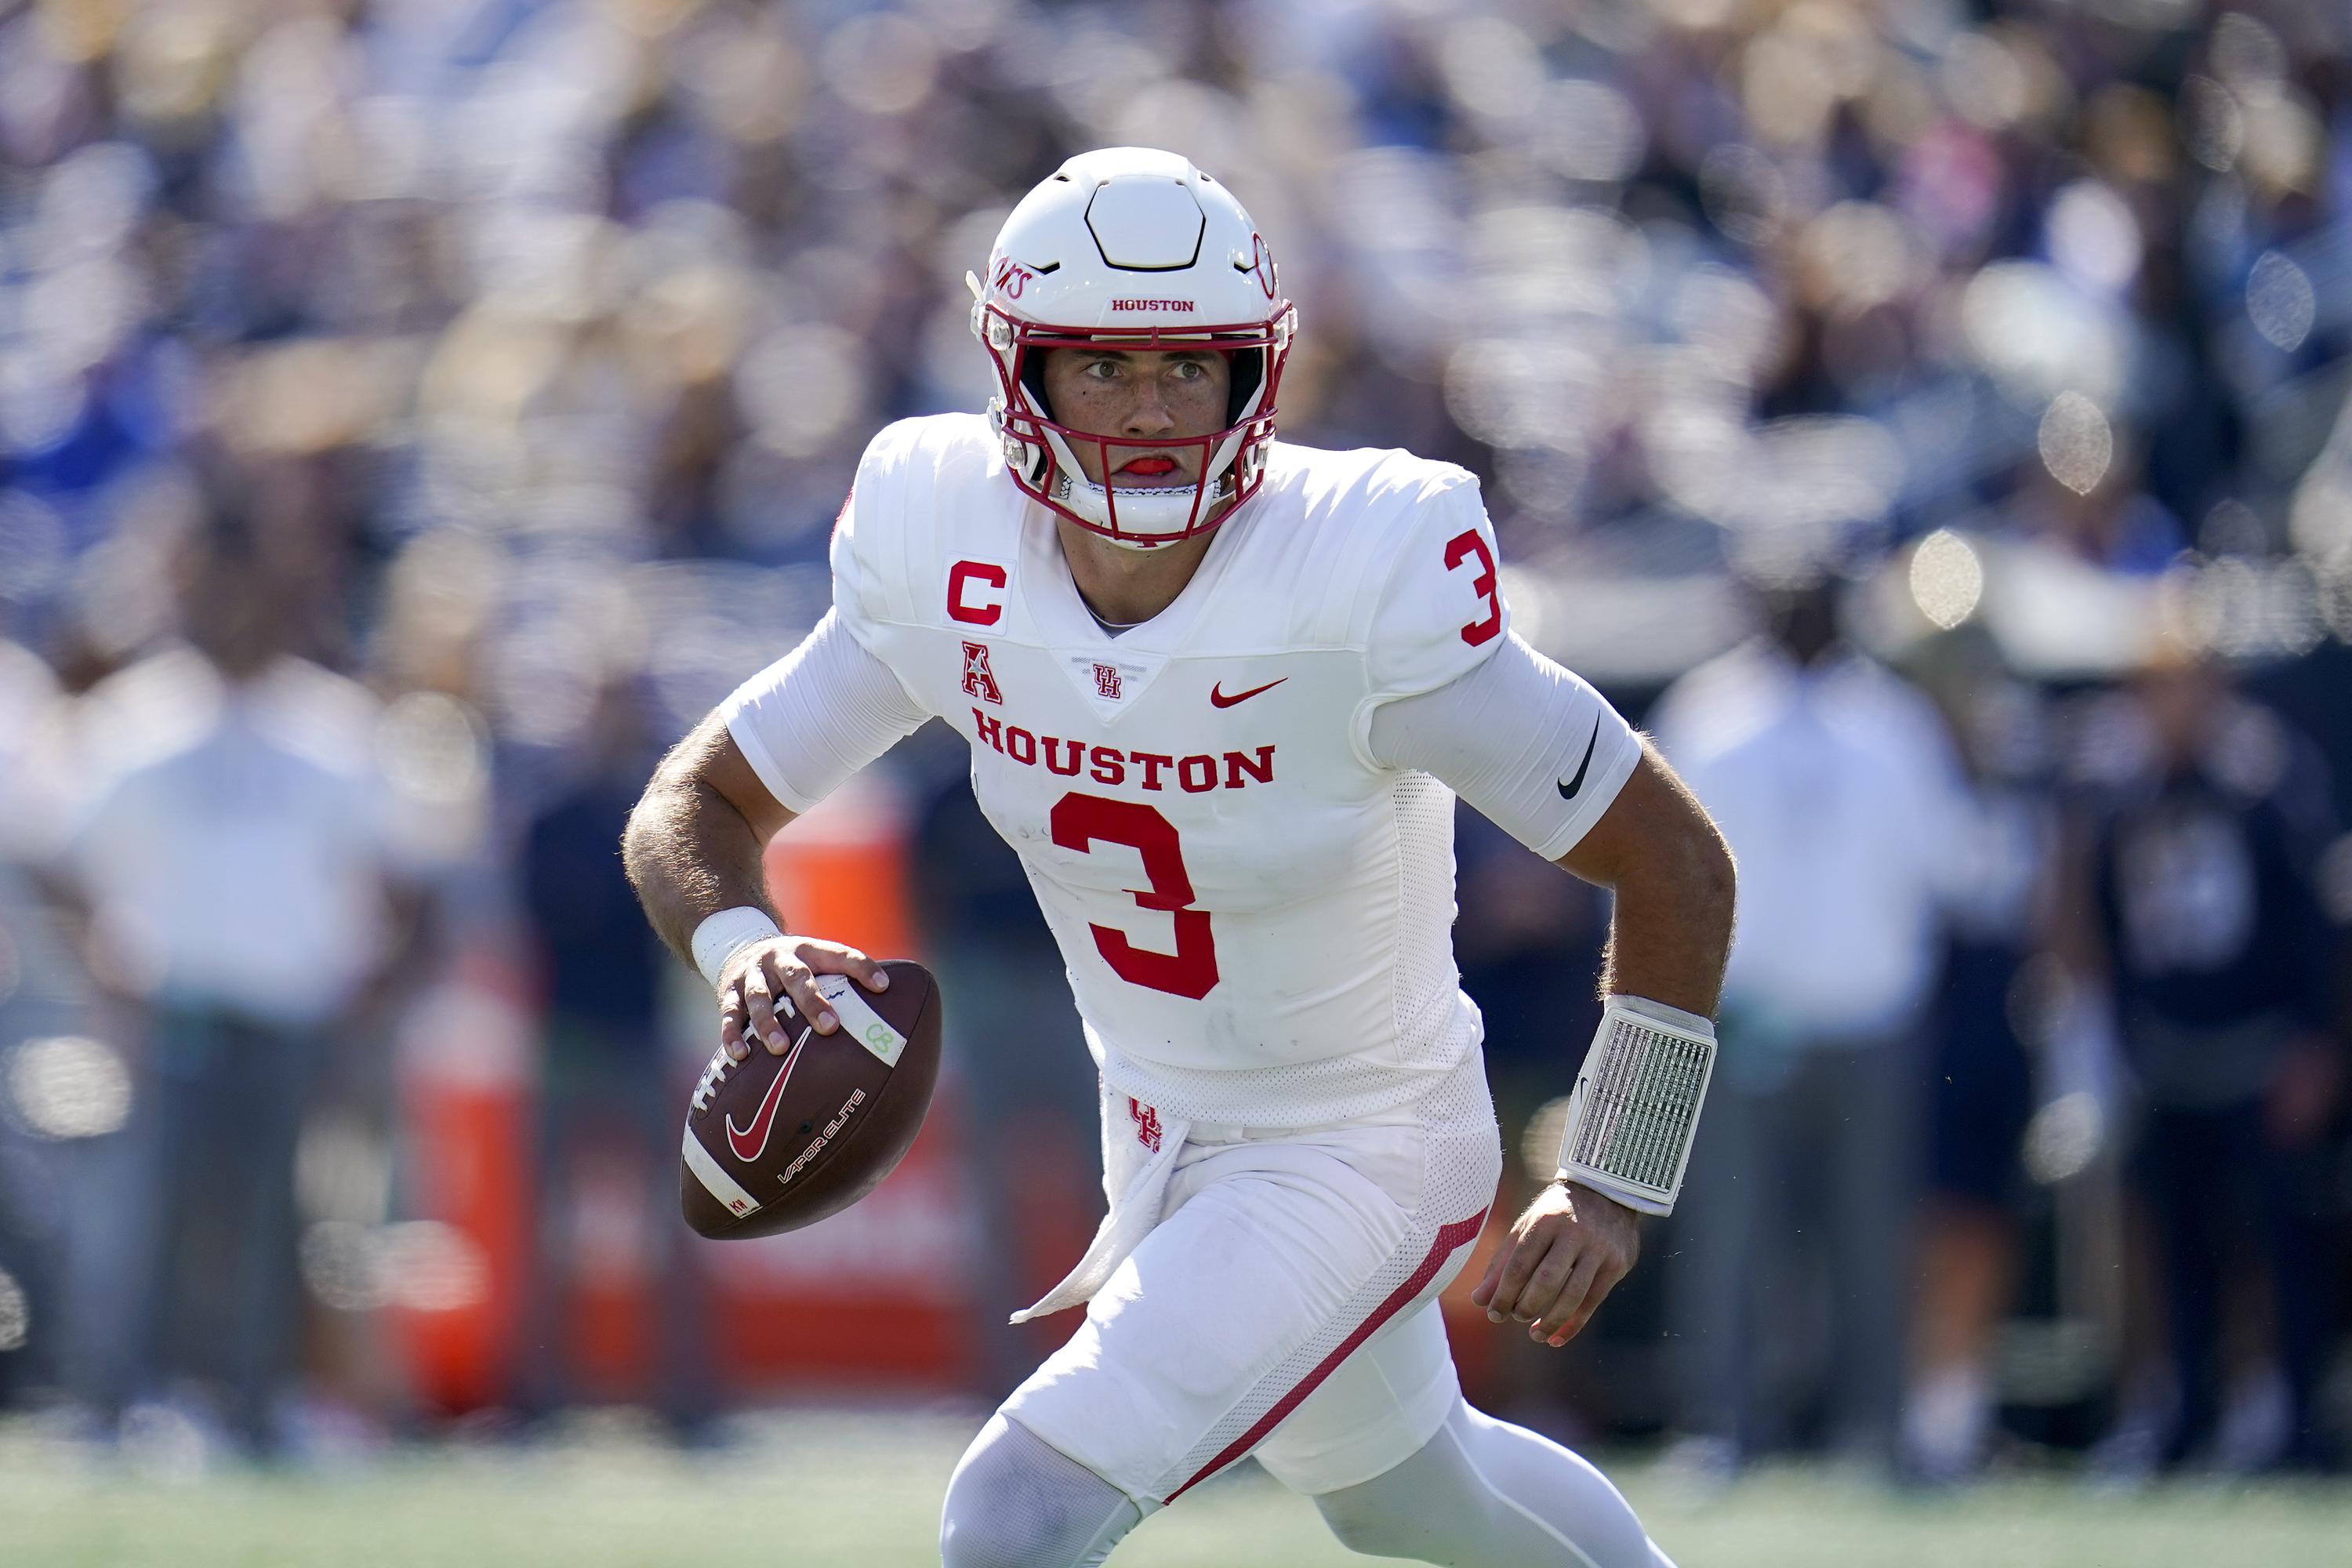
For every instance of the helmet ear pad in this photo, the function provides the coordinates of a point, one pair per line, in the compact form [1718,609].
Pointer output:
[1033,379]
[1245,368]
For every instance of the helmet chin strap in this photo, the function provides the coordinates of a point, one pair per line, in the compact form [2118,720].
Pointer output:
[1153,517]
[1163,512]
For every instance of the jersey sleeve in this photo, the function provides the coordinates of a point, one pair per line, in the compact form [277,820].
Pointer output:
[1534,747]
[818,714]
[834,704]
[1439,613]
[869,538]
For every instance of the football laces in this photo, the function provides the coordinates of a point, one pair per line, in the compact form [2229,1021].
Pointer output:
[713,1074]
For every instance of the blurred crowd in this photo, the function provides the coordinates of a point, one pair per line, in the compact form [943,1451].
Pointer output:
[1934,416]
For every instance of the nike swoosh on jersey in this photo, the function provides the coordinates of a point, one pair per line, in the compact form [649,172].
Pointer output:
[749,1142]
[1569,787]
[1217,699]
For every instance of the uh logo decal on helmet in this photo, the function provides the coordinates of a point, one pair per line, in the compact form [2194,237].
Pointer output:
[1131,248]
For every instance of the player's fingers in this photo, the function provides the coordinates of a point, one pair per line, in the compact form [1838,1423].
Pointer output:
[799,990]
[731,1021]
[1526,1254]
[1572,1308]
[759,1009]
[735,1021]
[833,958]
[867,971]
[1544,1285]
[1604,1280]
[1484,1291]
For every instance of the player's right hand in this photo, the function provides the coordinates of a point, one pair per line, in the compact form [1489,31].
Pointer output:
[769,982]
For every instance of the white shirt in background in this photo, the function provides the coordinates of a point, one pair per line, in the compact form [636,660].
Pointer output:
[1838,790]
[232,841]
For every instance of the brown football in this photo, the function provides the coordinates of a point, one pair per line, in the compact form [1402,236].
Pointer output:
[775,1143]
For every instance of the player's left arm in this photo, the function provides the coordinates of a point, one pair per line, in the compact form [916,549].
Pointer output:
[1454,691]
[1658,852]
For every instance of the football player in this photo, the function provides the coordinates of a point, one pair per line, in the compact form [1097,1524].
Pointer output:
[1221,692]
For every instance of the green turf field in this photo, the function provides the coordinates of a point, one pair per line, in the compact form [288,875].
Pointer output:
[862,1492]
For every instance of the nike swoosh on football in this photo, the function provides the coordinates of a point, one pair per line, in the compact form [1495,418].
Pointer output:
[750,1142]
[1217,699]
[1569,787]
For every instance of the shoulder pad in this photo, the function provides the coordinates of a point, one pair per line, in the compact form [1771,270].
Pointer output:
[890,530]
[1353,515]
[1437,607]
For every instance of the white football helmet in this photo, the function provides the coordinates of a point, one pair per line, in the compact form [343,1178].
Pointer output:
[1131,248]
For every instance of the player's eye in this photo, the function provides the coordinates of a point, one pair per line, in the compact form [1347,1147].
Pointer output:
[1102,369]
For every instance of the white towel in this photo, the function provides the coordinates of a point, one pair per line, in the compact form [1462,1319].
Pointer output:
[1135,1181]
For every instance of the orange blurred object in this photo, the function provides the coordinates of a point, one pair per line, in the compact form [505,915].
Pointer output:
[455,1294]
[840,872]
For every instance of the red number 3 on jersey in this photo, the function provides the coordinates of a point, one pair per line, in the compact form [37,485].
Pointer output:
[1482,584]
[1080,821]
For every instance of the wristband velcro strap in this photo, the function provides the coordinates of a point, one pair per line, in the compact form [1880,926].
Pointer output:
[1636,1108]
[721,936]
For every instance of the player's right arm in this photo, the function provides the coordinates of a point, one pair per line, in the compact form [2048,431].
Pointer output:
[693,847]
[785,740]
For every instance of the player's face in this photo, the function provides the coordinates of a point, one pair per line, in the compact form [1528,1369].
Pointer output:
[1139,395]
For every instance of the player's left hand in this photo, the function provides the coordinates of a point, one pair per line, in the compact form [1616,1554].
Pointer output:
[1565,1254]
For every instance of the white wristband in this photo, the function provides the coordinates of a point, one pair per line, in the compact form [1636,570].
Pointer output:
[1636,1103]
[721,936]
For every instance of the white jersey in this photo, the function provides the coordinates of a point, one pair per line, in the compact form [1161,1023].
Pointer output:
[1255,911]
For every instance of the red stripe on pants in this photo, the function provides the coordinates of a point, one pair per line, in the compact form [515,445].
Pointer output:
[1449,1240]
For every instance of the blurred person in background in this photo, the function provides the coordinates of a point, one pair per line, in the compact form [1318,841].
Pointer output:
[1835,784]
[2197,832]
[228,868]
[608,1093]
[1981,1083]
